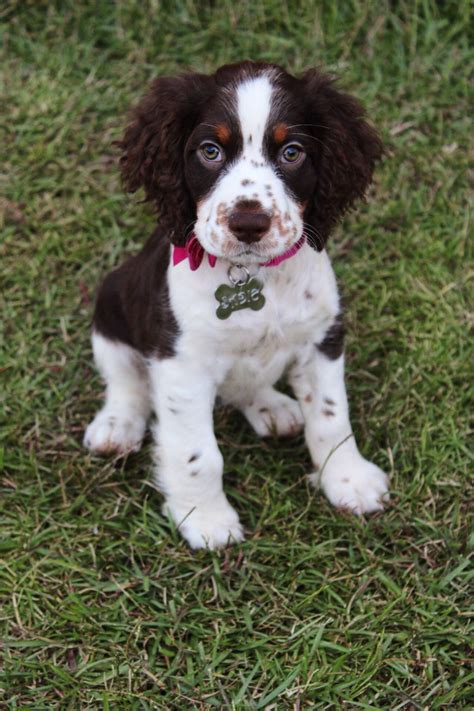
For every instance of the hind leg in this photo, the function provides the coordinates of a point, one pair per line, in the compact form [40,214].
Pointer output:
[249,388]
[273,413]
[120,425]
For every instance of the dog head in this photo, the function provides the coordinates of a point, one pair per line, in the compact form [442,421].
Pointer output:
[249,158]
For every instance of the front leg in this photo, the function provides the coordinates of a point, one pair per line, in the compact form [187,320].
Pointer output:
[189,465]
[348,480]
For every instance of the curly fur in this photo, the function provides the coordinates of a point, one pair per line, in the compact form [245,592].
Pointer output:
[154,142]
[153,146]
[350,149]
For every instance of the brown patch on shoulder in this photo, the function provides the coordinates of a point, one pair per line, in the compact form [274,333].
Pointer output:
[308,294]
[328,413]
[280,132]
[223,133]
[328,401]
[308,398]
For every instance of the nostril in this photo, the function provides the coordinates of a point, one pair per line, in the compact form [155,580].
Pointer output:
[249,225]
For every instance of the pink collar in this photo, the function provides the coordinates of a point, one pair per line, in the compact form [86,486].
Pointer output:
[194,252]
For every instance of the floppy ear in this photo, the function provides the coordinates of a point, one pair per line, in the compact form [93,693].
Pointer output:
[349,150]
[153,147]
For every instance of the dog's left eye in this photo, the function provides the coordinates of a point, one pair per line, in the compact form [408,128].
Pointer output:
[211,152]
[293,153]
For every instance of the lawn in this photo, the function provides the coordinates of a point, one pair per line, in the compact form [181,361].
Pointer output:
[102,605]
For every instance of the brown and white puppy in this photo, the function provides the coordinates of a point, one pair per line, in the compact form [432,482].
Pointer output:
[247,160]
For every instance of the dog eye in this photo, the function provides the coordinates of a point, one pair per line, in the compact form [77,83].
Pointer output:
[293,153]
[211,152]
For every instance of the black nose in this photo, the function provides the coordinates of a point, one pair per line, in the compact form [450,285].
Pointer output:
[248,222]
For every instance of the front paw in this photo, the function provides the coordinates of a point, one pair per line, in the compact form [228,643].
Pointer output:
[354,484]
[212,525]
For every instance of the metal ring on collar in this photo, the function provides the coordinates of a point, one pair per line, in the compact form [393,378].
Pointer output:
[238,280]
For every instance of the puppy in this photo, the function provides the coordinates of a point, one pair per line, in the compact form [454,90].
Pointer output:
[249,169]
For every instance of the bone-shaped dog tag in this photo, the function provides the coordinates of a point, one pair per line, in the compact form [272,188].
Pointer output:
[240,296]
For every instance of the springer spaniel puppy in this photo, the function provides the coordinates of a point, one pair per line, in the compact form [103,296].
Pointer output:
[250,169]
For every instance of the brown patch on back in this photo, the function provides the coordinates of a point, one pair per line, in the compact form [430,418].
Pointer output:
[223,133]
[280,132]
[308,398]
[328,413]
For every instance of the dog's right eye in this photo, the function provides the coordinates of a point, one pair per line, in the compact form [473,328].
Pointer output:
[210,152]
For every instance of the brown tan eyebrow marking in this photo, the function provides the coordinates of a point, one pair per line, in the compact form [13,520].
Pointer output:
[280,132]
[223,132]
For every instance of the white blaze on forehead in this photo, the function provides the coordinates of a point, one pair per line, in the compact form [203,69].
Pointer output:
[254,101]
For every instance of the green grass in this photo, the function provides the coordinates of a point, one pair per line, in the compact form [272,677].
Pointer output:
[102,606]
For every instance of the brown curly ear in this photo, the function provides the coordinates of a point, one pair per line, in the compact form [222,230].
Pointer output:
[349,150]
[153,147]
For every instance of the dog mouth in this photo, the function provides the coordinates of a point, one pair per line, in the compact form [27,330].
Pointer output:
[259,252]
[249,249]
[249,254]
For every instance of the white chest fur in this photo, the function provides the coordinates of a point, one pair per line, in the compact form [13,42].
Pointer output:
[301,302]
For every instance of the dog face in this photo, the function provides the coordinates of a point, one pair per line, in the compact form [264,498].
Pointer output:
[250,171]
[249,158]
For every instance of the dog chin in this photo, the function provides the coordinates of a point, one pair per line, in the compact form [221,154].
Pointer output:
[237,253]
[258,252]
[247,256]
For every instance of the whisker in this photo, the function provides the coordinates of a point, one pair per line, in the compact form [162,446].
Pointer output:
[305,135]
[311,229]
[210,125]
[314,125]
[314,234]
[188,229]
[315,241]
